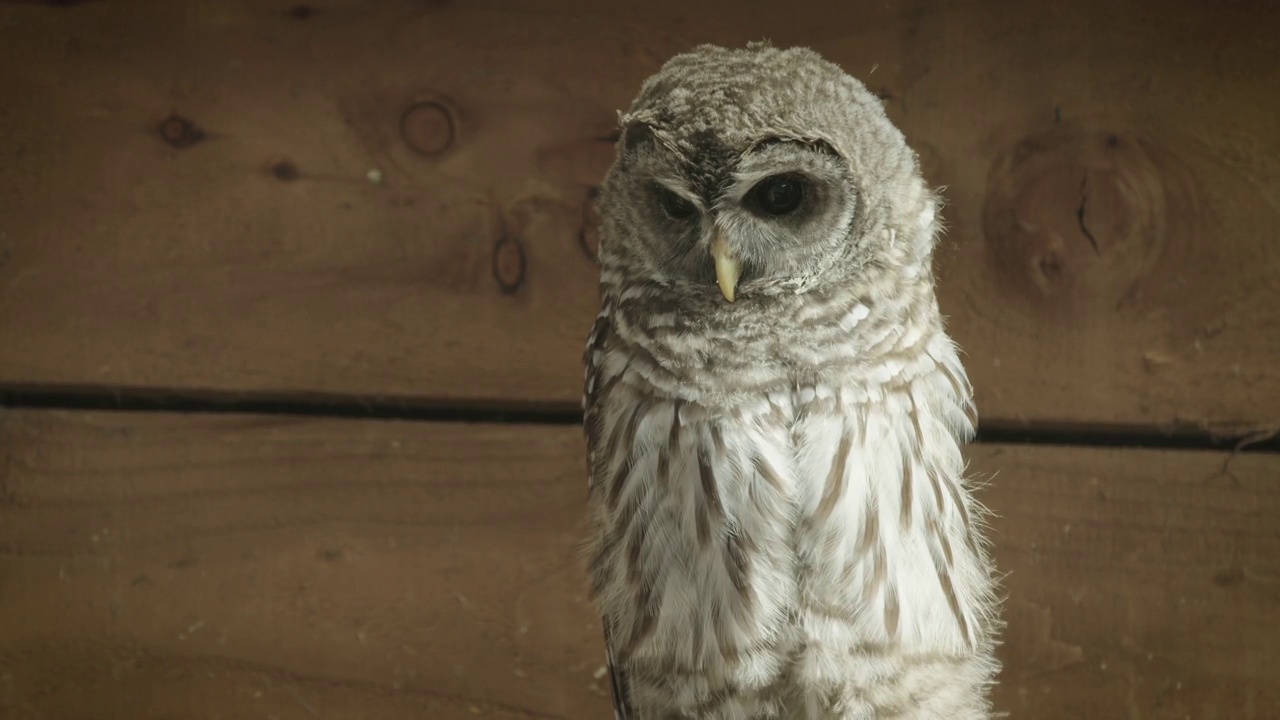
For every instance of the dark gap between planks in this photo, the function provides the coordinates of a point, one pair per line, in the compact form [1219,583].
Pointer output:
[345,406]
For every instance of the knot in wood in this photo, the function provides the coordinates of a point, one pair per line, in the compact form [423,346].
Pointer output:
[508,263]
[284,170]
[180,132]
[1074,218]
[429,127]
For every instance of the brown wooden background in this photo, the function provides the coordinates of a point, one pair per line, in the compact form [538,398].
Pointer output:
[365,228]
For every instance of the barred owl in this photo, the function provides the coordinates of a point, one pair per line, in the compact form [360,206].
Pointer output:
[780,525]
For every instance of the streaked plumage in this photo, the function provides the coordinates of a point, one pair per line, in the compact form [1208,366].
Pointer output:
[780,524]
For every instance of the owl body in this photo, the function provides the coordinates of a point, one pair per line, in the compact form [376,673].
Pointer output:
[780,526]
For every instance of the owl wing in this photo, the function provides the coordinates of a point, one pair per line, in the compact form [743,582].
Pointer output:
[618,682]
[593,360]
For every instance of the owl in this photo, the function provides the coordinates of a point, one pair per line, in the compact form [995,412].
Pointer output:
[779,522]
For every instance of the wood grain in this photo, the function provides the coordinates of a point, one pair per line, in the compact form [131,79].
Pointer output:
[387,199]
[158,566]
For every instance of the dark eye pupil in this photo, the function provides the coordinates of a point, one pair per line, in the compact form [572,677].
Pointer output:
[676,206]
[780,195]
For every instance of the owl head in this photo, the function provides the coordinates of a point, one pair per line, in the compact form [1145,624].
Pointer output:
[742,174]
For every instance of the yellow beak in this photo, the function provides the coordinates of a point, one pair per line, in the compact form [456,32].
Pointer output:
[727,266]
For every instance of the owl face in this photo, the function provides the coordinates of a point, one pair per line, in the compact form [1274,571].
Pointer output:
[734,216]
[744,173]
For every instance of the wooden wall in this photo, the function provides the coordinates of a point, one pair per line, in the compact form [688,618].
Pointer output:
[338,205]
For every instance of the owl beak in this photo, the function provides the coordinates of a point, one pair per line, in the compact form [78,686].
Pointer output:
[727,266]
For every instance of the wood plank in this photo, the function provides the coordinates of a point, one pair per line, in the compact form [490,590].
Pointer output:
[1142,584]
[1112,174]
[160,567]
[157,566]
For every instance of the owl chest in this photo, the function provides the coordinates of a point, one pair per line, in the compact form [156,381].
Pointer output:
[795,522]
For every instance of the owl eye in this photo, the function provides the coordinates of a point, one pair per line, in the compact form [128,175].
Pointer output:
[676,207]
[780,194]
